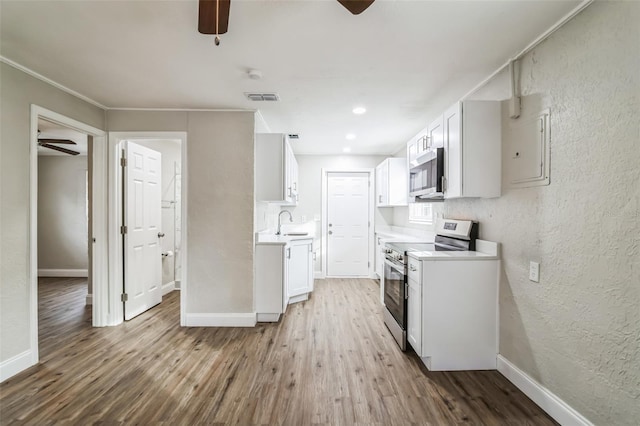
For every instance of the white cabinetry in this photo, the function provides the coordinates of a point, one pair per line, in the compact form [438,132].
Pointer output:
[391,183]
[299,269]
[452,313]
[380,248]
[284,274]
[473,149]
[414,306]
[276,169]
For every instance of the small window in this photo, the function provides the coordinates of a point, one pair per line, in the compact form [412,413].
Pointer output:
[421,213]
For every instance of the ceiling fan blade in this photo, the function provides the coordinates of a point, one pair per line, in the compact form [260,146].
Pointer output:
[64,141]
[207,16]
[356,6]
[59,148]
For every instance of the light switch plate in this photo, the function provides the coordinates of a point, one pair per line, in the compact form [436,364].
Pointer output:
[534,272]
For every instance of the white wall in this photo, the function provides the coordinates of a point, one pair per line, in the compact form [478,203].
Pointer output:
[219,180]
[310,179]
[19,91]
[62,213]
[171,161]
[576,331]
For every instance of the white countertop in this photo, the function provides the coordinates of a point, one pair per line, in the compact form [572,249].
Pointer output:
[485,250]
[268,238]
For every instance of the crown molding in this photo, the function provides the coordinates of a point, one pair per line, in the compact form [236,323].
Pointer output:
[55,84]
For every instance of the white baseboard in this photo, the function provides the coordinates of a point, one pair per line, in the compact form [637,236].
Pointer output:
[16,364]
[63,273]
[543,397]
[317,275]
[221,320]
[168,287]
[89,299]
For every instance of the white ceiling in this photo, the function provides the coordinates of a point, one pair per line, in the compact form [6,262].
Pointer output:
[49,130]
[403,60]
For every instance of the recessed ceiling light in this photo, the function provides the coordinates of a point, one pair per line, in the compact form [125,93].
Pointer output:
[346,149]
[350,136]
[359,110]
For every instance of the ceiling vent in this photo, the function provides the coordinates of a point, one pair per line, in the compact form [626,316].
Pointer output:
[272,97]
[294,136]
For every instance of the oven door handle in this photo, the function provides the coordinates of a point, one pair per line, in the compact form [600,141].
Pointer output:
[395,266]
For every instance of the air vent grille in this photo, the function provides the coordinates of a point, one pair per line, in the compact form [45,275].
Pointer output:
[294,136]
[271,97]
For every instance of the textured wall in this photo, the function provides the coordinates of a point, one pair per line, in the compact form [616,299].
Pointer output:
[577,331]
[62,212]
[19,90]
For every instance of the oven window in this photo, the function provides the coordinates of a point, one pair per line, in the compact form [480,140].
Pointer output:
[394,293]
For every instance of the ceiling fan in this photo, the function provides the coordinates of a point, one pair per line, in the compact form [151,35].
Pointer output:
[213,17]
[48,143]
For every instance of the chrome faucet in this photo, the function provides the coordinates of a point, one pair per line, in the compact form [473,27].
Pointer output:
[280,217]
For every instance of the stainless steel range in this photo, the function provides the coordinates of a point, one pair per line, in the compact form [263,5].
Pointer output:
[453,235]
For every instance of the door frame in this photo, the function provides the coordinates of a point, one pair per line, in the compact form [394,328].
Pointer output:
[98,260]
[323,242]
[113,291]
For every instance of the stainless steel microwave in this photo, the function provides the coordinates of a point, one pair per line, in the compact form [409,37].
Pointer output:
[426,176]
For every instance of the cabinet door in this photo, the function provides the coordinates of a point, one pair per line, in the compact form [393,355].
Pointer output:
[288,173]
[453,151]
[414,316]
[435,134]
[300,267]
[382,184]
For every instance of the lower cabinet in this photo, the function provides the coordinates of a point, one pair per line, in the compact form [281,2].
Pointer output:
[284,275]
[452,311]
[299,270]
[414,316]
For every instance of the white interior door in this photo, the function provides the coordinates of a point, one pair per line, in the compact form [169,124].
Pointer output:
[347,224]
[142,218]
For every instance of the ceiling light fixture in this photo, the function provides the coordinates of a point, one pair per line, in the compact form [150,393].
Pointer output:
[350,136]
[346,149]
[359,110]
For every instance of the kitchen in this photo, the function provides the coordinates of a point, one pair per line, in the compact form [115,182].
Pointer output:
[574,326]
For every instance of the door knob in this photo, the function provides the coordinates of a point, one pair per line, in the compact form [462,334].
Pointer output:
[330,225]
[160,234]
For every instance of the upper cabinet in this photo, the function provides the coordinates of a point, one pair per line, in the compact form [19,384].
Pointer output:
[473,149]
[276,170]
[391,183]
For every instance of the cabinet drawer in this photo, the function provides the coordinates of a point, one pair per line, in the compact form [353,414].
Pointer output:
[415,269]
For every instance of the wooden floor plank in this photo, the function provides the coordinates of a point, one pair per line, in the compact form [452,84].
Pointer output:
[330,360]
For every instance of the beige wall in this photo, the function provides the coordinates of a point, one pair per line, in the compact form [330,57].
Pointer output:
[18,91]
[576,331]
[219,180]
[62,212]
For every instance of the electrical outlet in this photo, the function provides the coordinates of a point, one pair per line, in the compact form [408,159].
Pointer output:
[303,218]
[534,272]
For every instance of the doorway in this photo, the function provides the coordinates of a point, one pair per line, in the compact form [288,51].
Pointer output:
[69,257]
[347,223]
[148,206]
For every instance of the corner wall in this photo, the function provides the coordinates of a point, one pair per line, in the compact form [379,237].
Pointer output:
[576,331]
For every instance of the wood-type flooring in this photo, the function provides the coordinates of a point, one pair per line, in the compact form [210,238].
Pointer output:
[330,360]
